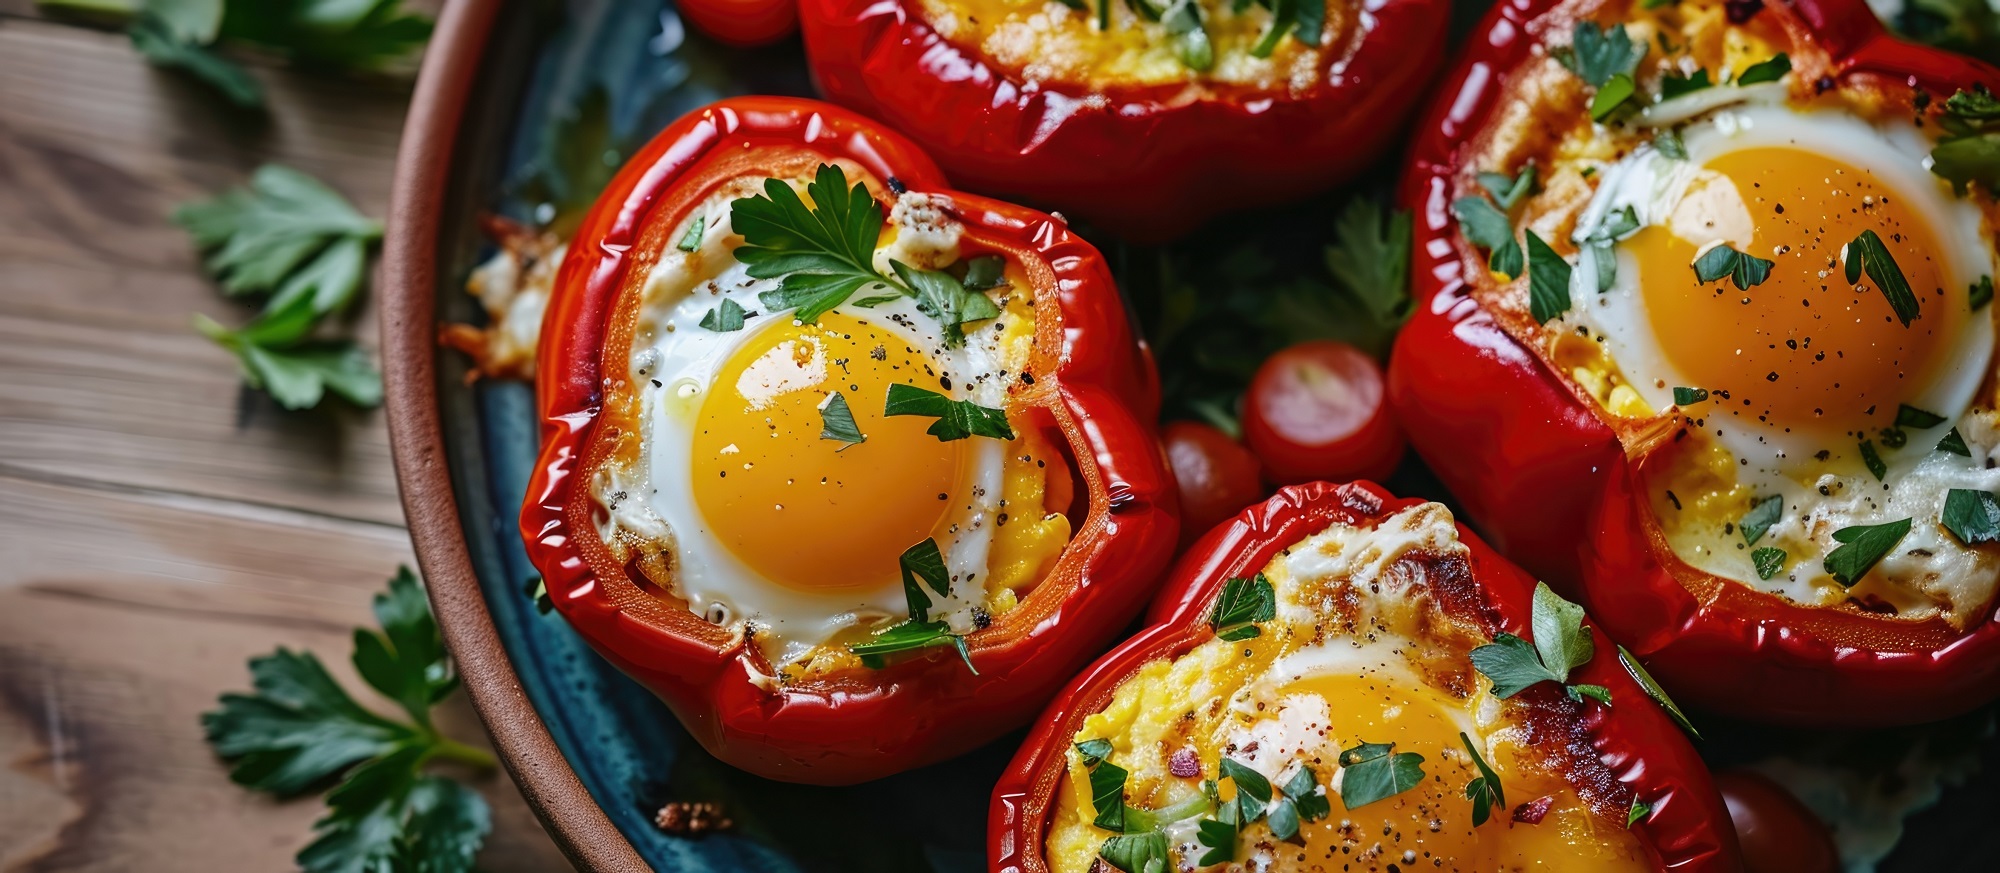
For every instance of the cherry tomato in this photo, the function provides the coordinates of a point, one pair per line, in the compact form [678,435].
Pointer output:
[1216,474]
[1316,411]
[1777,832]
[743,22]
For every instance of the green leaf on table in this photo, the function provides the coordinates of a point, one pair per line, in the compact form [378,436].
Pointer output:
[160,44]
[275,358]
[1861,547]
[406,660]
[342,34]
[956,419]
[820,254]
[287,235]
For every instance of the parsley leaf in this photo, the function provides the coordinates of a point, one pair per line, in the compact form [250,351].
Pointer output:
[724,318]
[1488,228]
[941,296]
[1873,460]
[1511,664]
[1093,751]
[1761,516]
[1916,419]
[1972,516]
[1548,280]
[911,636]
[1136,853]
[691,241]
[1955,444]
[820,255]
[1611,96]
[1653,690]
[1302,19]
[1689,396]
[1250,784]
[1638,813]
[1868,253]
[1981,293]
[1107,795]
[160,43]
[1861,547]
[1972,151]
[1219,838]
[1484,790]
[1768,561]
[1596,54]
[1303,793]
[1508,191]
[286,235]
[1746,270]
[1766,71]
[956,419]
[837,422]
[1599,693]
[1370,258]
[297,374]
[300,729]
[1375,771]
[1674,85]
[923,561]
[1243,603]
[1560,638]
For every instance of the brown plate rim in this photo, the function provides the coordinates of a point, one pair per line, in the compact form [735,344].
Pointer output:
[408,298]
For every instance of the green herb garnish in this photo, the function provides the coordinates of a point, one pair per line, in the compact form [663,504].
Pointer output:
[1219,838]
[1612,95]
[1955,444]
[1653,690]
[300,729]
[1873,460]
[1484,790]
[1674,85]
[820,256]
[1916,419]
[941,296]
[1548,280]
[1971,150]
[1093,751]
[911,636]
[1972,516]
[1669,143]
[1303,19]
[1766,71]
[985,272]
[956,419]
[837,423]
[1689,396]
[1761,516]
[727,316]
[1638,813]
[1509,191]
[691,240]
[1561,644]
[1488,228]
[1243,603]
[1861,547]
[1868,253]
[1375,771]
[925,562]
[1107,795]
[1768,561]
[1136,853]
[1745,270]
[1981,293]
[1596,54]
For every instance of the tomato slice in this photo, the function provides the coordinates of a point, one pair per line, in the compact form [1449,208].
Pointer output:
[1777,832]
[743,22]
[1217,476]
[1316,410]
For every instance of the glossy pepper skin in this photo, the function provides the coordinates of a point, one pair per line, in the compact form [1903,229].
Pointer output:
[1091,376]
[1549,483]
[1149,163]
[1637,744]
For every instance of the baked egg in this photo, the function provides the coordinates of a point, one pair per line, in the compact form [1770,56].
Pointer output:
[1358,671]
[770,484]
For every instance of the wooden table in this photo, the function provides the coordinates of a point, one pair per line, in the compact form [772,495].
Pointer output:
[158,524]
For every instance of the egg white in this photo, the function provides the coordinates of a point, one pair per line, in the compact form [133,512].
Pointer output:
[674,362]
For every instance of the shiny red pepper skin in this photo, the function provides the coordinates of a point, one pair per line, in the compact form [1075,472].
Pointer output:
[1146,162]
[1093,378]
[1638,745]
[1549,483]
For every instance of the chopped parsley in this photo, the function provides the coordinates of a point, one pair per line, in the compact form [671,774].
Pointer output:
[1093,751]
[1861,547]
[1508,191]
[1548,281]
[1612,95]
[1107,794]
[1302,19]
[1561,644]
[820,256]
[941,296]
[1597,54]
[1689,396]
[1955,444]
[1376,771]
[1488,228]
[1674,85]
[1370,258]
[1653,690]
[1484,790]
[1873,460]
[1981,293]
[1303,801]
[1917,419]
[1746,270]
[1868,253]
[1243,603]
[985,272]
[1603,257]
[1768,561]
[1761,516]
[956,419]
[1219,838]
[725,317]
[691,240]
[1766,71]
[1639,812]
[837,422]
[1669,143]
[1971,150]
[924,562]
[1972,516]
[1136,853]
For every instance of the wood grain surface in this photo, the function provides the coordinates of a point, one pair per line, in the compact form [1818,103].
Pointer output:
[158,524]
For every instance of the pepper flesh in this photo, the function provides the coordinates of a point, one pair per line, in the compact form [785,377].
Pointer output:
[1550,483]
[1091,375]
[1687,830]
[1146,162]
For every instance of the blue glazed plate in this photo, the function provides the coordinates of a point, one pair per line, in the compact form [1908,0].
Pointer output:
[564,91]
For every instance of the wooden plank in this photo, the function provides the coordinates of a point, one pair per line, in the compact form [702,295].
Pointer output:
[101,378]
[122,616]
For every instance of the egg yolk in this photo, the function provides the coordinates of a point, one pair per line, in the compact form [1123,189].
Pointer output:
[809,512]
[1805,349]
[1429,827]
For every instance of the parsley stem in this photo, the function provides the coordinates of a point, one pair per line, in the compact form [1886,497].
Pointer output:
[452,750]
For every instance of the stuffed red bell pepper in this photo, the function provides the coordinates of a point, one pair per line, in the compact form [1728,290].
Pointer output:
[851,469]
[1704,335]
[1339,679]
[1144,116]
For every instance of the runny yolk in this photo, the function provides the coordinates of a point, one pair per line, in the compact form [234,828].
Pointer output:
[812,513]
[1805,350]
[1429,827]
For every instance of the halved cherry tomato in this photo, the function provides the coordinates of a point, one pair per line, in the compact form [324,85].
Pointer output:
[1778,834]
[1316,411]
[743,22]
[1217,476]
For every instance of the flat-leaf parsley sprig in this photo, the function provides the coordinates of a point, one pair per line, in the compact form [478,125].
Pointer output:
[300,730]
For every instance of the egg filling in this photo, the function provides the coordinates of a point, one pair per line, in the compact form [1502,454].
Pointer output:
[767,486]
[1265,45]
[1738,236]
[1361,652]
